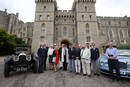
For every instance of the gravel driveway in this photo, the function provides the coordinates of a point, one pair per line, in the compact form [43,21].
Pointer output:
[56,79]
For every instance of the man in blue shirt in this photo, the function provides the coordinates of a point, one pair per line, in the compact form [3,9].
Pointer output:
[111,54]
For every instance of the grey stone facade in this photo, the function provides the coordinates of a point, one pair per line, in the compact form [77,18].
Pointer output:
[13,25]
[78,25]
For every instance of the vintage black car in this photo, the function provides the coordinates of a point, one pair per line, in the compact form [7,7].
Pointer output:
[21,60]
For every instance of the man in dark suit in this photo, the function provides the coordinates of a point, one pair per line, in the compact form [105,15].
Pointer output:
[60,53]
[41,55]
[72,58]
[78,59]
[46,53]
[94,58]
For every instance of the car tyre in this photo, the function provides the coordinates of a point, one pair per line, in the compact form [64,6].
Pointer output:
[6,70]
[35,67]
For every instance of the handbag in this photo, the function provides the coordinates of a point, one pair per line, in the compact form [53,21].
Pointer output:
[54,59]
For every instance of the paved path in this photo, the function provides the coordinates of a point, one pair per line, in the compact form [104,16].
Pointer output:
[56,79]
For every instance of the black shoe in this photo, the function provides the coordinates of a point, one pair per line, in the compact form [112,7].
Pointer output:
[89,75]
[95,74]
[98,74]
[77,73]
[84,74]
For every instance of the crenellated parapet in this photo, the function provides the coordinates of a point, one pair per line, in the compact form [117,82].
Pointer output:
[45,1]
[65,14]
[85,1]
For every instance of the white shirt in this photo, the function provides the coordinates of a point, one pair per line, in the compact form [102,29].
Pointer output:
[86,54]
[50,51]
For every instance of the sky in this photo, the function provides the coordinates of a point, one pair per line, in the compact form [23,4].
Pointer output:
[26,8]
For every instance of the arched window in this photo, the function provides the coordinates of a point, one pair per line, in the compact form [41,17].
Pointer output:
[88,38]
[65,31]
[129,33]
[110,35]
[43,27]
[56,32]
[121,34]
[87,28]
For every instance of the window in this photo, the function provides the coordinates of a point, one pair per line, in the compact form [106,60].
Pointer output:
[43,27]
[65,32]
[48,16]
[56,32]
[110,35]
[88,39]
[24,29]
[44,7]
[121,34]
[86,9]
[90,16]
[73,32]
[109,23]
[129,33]
[87,28]
[82,16]
[127,23]
[23,34]
[40,17]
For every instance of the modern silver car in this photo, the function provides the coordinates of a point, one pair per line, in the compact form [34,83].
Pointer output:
[124,63]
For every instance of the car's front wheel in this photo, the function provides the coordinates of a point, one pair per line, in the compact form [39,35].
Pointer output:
[35,67]
[6,70]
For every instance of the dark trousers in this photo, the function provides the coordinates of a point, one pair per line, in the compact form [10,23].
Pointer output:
[41,64]
[44,67]
[65,65]
[114,64]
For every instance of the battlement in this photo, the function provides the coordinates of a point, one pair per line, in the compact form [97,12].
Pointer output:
[45,1]
[65,13]
[113,18]
[85,1]
[4,12]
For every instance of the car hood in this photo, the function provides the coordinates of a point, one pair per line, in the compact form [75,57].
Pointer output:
[120,58]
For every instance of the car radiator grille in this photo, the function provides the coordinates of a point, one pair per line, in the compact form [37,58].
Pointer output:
[122,65]
[22,60]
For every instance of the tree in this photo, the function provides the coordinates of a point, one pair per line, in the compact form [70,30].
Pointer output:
[7,42]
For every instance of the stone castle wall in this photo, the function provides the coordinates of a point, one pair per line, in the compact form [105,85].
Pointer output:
[78,25]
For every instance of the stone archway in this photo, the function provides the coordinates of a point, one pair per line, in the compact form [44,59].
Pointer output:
[65,41]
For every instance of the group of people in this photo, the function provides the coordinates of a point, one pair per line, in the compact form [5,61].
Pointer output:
[75,58]
[78,59]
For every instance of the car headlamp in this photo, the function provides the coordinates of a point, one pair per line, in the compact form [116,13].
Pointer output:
[28,57]
[128,65]
[102,63]
[15,58]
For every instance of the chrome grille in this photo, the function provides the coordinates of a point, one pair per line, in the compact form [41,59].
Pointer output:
[22,57]
[122,65]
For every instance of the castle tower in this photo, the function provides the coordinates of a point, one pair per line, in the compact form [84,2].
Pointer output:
[86,20]
[44,23]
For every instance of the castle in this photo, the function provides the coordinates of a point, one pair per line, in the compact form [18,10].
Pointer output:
[78,25]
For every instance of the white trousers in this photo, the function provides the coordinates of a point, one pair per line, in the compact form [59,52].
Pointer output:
[77,66]
[86,67]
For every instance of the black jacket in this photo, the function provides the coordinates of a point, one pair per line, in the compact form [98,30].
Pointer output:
[72,52]
[77,52]
[41,52]
[60,53]
[95,54]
